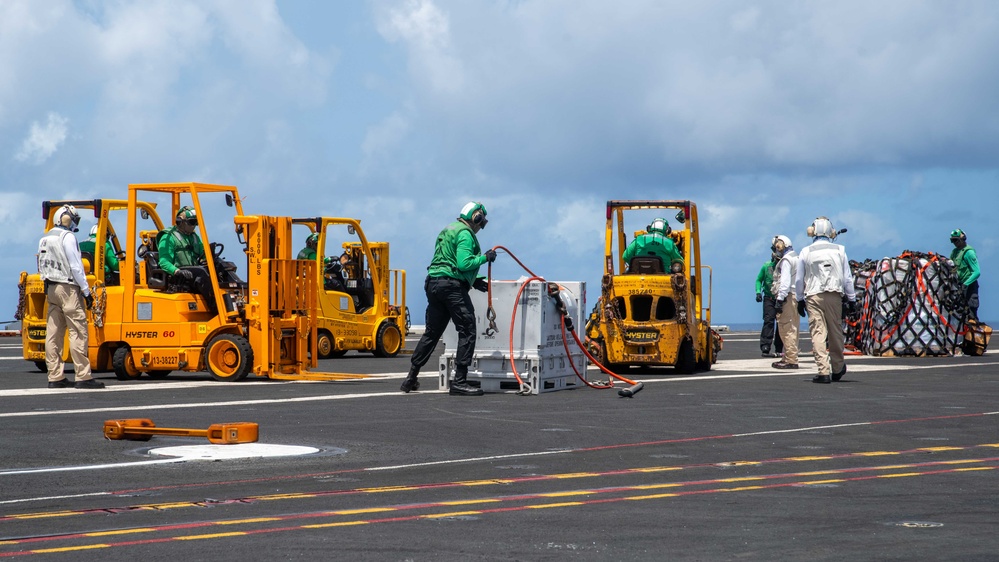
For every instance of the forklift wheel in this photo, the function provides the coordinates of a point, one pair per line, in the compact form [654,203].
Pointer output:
[388,340]
[41,366]
[685,360]
[324,344]
[124,367]
[229,357]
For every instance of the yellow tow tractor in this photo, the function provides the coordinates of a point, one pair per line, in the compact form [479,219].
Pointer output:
[652,313]
[154,323]
[362,302]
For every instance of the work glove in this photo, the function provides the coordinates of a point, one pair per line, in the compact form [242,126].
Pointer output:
[183,274]
[801,308]
[852,307]
[780,305]
[480,284]
[89,300]
[490,255]
[759,297]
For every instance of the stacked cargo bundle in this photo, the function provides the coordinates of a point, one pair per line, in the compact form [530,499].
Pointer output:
[913,305]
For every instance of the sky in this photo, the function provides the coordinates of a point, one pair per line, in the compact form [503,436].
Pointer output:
[881,115]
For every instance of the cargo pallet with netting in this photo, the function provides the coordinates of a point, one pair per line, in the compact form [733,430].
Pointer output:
[913,305]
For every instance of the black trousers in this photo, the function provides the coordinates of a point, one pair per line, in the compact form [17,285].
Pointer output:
[447,300]
[769,336]
[971,296]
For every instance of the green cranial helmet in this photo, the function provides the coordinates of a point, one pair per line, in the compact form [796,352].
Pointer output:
[313,240]
[187,214]
[474,213]
[659,225]
[958,234]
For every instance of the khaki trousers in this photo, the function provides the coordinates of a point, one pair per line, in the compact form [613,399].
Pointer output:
[66,309]
[787,327]
[825,323]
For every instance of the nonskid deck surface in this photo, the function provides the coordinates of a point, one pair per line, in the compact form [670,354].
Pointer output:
[893,462]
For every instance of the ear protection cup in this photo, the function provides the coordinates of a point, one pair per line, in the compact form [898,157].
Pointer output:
[477,217]
[810,231]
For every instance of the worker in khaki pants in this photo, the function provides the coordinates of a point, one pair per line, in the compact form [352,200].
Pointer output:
[822,278]
[786,303]
[68,296]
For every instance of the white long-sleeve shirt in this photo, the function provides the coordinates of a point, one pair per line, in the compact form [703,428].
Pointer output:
[823,268]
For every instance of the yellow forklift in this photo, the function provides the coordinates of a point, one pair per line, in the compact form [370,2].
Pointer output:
[652,313]
[154,323]
[362,302]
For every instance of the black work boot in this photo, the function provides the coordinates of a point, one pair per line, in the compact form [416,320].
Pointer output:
[411,382]
[460,386]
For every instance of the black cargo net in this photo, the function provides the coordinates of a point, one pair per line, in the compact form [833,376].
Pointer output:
[912,304]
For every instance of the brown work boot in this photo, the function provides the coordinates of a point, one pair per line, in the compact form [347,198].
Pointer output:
[782,365]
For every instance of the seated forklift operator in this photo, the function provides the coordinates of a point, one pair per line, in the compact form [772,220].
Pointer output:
[180,246]
[182,257]
[656,243]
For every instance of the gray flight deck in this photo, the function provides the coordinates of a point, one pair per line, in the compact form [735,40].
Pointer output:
[896,462]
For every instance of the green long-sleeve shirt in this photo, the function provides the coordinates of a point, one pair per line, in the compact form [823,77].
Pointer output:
[456,254]
[656,245]
[110,260]
[966,262]
[765,279]
[178,249]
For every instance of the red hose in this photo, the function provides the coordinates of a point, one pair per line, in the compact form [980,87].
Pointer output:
[565,343]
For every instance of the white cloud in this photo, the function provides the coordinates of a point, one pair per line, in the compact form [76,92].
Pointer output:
[425,29]
[657,88]
[44,139]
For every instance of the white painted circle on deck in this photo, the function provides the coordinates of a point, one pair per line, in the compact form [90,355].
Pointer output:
[237,451]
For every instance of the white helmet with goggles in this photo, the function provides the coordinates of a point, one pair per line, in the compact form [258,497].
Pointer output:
[67,217]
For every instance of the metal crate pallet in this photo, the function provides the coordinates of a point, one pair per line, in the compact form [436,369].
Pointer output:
[542,374]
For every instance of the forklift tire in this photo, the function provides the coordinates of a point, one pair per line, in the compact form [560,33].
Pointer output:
[41,366]
[124,367]
[685,360]
[229,357]
[388,340]
[324,345]
[705,365]
[159,374]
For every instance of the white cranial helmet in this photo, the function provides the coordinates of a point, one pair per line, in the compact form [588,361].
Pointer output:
[67,217]
[823,227]
[780,244]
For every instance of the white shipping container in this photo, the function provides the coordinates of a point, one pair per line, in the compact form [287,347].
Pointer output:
[538,350]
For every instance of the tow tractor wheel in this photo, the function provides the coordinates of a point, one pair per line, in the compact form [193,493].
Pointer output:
[324,345]
[124,367]
[229,357]
[41,366]
[388,340]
